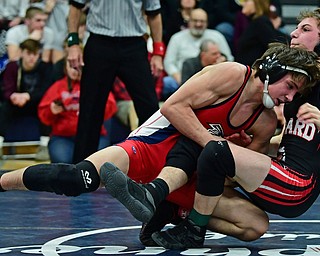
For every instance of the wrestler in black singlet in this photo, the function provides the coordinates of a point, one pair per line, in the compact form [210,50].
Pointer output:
[295,176]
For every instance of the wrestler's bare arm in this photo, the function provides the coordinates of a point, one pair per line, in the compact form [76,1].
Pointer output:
[262,131]
[211,85]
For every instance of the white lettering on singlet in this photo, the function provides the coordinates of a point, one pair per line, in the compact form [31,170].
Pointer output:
[301,129]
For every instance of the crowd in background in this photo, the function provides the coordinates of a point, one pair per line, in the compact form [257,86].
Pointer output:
[40,92]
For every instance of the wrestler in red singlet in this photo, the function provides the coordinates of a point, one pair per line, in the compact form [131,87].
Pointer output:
[148,145]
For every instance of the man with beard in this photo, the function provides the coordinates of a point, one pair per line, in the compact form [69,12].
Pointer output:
[186,44]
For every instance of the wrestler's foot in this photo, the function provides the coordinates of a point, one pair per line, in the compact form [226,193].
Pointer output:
[1,173]
[184,235]
[145,235]
[135,197]
[167,212]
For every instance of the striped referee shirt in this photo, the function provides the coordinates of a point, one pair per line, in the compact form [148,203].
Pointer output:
[118,18]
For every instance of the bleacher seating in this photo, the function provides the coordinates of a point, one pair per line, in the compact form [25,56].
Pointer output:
[291,9]
[20,150]
[28,149]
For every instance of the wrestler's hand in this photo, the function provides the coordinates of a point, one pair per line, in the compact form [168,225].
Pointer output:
[240,139]
[309,114]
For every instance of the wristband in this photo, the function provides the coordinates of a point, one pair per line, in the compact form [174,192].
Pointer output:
[158,48]
[73,38]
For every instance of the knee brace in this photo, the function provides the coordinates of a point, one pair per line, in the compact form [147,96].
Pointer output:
[184,155]
[62,179]
[214,164]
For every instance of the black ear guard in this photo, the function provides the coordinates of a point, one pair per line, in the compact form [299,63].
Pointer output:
[271,67]
[270,72]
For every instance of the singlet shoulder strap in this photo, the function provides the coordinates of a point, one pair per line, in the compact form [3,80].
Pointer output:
[246,78]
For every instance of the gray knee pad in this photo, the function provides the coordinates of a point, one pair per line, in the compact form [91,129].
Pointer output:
[214,164]
[62,179]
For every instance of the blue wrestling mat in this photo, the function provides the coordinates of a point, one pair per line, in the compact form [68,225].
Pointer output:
[37,223]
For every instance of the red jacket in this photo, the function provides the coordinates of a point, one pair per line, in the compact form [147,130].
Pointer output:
[65,123]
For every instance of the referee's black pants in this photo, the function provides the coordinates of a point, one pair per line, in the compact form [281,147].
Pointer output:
[105,58]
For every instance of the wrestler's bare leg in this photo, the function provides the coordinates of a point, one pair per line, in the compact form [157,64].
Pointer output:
[13,180]
[174,177]
[236,216]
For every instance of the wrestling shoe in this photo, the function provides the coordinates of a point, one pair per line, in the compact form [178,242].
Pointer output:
[146,231]
[166,212]
[184,235]
[135,197]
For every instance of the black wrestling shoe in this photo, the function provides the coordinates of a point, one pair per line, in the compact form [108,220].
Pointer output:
[184,235]
[166,212]
[135,197]
[146,232]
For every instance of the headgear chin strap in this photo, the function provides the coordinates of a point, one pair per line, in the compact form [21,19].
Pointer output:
[266,99]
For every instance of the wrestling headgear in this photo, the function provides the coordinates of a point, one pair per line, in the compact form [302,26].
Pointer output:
[271,70]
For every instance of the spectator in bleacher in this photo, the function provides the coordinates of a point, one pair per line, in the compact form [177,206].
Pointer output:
[221,16]
[276,15]
[209,54]
[24,83]
[34,28]
[178,18]
[12,13]
[260,31]
[59,109]
[185,44]
[57,11]
[242,20]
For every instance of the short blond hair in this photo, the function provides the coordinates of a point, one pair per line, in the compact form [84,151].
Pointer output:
[33,11]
